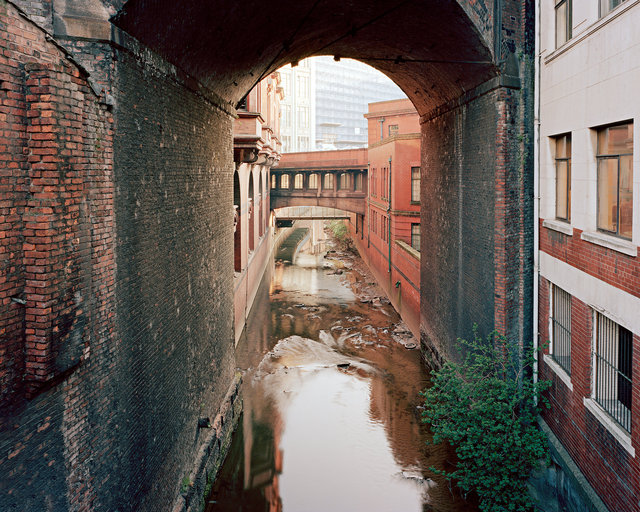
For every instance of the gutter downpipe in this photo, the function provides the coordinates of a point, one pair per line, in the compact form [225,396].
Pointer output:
[389,218]
[536,192]
[368,205]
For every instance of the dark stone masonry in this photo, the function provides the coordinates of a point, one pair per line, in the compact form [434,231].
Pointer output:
[116,249]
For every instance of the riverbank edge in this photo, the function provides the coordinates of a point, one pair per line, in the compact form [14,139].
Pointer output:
[212,452]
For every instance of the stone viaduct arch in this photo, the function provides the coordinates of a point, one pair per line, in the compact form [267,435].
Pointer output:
[149,300]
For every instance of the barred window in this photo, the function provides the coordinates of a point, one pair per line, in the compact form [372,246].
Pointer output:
[612,356]
[415,184]
[274,181]
[298,181]
[415,236]
[561,328]
[284,181]
[313,181]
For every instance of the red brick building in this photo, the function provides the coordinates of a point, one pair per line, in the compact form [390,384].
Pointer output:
[388,236]
[256,147]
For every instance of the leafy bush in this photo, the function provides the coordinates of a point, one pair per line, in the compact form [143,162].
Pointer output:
[341,235]
[486,407]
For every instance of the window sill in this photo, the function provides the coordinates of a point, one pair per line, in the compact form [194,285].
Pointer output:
[557,225]
[611,242]
[622,436]
[409,249]
[558,370]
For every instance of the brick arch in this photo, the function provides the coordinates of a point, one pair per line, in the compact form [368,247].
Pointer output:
[435,51]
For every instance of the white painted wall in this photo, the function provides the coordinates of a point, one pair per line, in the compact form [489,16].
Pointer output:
[590,81]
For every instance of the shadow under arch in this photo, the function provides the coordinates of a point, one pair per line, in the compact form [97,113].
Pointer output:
[434,51]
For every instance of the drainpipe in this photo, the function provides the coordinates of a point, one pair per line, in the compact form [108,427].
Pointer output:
[389,217]
[368,205]
[536,191]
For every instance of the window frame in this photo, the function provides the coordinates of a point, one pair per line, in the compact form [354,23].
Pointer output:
[415,236]
[602,157]
[558,162]
[568,22]
[413,184]
[602,12]
[618,411]
[298,181]
[558,318]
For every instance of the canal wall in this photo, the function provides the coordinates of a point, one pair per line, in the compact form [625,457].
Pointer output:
[117,307]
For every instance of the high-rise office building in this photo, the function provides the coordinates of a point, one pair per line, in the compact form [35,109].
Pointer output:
[325,102]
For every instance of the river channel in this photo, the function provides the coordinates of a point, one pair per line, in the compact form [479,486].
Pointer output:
[331,406]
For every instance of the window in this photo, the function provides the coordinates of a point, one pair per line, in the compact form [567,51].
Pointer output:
[284,81]
[303,117]
[298,181]
[344,181]
[302,83]
[612,356]
[415,236]
[284,181]
[274,181]
[563,22]
[561,328]
[563,177]
[286,116]
[615,179]
[373,191]
[606,6]
[393,130]
[415,184]
[384,229]
[385,178]
[359,181]
[327,184]
[313,181]
[303,143]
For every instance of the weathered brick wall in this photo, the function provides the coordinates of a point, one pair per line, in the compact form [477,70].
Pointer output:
[105,373]
[477,185]
[612,267]
[57,202]
[608,467]
[174,254]
[457,223]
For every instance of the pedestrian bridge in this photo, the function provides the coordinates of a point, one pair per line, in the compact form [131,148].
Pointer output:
[335,179]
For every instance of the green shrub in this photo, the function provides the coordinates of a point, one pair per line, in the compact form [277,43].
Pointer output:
[487,407]
[341,235]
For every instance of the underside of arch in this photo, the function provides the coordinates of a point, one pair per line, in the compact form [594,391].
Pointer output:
[432,50]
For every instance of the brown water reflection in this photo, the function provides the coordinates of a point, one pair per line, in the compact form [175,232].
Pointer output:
[330,406]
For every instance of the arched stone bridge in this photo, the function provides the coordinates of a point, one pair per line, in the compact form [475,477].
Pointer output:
[336,179]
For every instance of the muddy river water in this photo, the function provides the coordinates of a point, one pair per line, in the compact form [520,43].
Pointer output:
[331,405]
